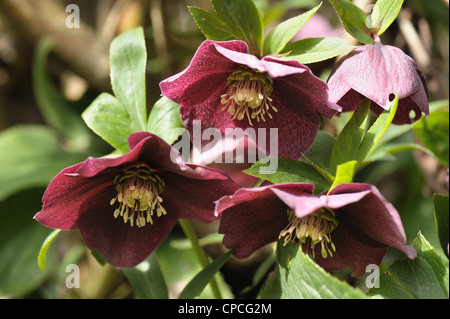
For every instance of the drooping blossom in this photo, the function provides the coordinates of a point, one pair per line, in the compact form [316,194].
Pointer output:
[226,87]
[125,206]
[380,72]
[351,227]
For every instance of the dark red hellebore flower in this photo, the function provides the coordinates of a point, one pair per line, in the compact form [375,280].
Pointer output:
[351,227]
[125,206]
[226,87]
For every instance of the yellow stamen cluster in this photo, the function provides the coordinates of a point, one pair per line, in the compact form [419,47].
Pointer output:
[248,95]
[311,230]
[138,190]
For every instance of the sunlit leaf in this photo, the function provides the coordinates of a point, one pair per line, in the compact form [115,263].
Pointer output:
[164,120]
[384,13]
[109,119]
[349,140]
[212,27]
[433,132]
[313,50]
[243,20]
[299,277]
[147,279]
[195,287]
[425,277]
[128,58]
[353,19]
[290,171]
[279,36]
[376,131]
[345,173]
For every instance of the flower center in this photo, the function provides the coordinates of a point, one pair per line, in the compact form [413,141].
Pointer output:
[248,95]
[311,230]
[138,190]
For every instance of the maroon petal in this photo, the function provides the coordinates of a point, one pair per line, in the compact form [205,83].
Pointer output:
[297,124]
[156,153]
[301,99]
[65,194]
[296,77]
[145,147]
[309,89]
[354,250]
[271,66]
[368,224]
[117,242]
[207,108]
[254,217]
[376,217]
[206,61]
[245,222]
[307,203]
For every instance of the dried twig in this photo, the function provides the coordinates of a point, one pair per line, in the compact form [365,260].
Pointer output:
[413,39]
[78,48]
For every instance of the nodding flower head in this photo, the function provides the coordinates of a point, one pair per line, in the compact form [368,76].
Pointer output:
[125,206]
[226,87]
[350,227]
[379,72]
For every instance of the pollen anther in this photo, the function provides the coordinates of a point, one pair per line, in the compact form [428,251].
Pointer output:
[311,230]
[138,190]
[248,95]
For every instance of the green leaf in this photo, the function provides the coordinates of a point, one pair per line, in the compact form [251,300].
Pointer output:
[433,132]
[102,262]
[109,119]
[212,27]
[20,240]
[147,279]
[31,156]
[438,105]
[345,173]
[347,143]
[384,13]
[319,152]
[301,278]
[43,251]
[58,112]
[164,120]
[353,19]
[195,287]
[279,36]
[376,131]
[260,273]
[384,152]
[290,171]
[244,21]
[425,277]
[128,58]
[313,50]
[180,265]
[441,212]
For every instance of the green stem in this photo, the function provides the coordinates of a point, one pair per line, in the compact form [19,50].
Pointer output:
[192,236]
